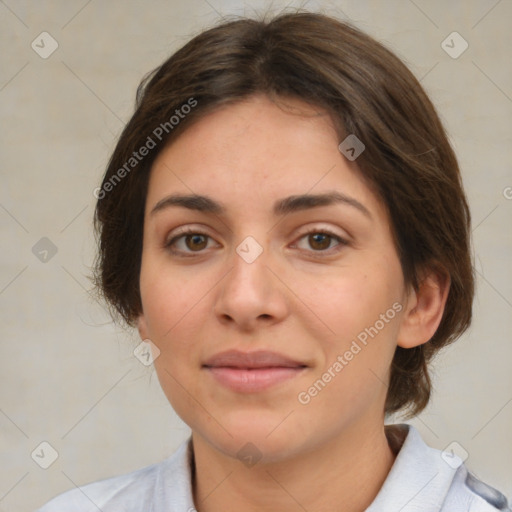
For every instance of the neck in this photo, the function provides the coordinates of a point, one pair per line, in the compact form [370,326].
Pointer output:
[346,471]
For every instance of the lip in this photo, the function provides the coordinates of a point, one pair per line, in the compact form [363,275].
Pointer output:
[249,372]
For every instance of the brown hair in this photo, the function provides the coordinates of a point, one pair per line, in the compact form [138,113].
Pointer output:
[369,92]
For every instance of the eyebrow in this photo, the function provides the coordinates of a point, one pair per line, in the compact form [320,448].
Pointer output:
[281,207]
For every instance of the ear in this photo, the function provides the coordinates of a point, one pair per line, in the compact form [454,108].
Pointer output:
[424,309]
[142,327]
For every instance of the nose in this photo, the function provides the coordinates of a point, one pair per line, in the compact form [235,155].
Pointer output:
[251,294]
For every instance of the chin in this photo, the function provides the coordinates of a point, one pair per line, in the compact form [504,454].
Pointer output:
[265,437]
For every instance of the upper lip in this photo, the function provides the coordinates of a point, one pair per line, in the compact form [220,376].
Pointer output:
[258,359]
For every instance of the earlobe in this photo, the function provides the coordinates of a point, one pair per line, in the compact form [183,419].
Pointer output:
[424,310]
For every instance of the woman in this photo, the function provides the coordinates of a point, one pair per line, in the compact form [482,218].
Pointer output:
[283,220]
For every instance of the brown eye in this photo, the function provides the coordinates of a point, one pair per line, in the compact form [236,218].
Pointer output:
[197,241]
[319,241]
[187,242]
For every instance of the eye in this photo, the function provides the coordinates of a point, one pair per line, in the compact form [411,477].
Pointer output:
[193,239]
[321,239]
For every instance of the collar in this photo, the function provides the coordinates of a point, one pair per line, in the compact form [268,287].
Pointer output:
[419,479]
[173,484]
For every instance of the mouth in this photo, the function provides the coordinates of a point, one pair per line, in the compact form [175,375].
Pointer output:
[250,372]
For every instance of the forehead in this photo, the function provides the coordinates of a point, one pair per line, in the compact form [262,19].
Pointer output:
[255,152]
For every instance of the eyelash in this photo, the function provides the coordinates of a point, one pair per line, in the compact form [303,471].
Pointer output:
[319,253]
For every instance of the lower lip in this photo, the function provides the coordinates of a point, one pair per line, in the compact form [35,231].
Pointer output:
[257,379]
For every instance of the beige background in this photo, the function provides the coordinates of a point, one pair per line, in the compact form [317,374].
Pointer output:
[69,376]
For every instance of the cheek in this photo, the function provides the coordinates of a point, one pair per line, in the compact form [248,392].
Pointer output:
[167,297]
[352,378]
[348,301]
[173,310]
[360,313]
[174,314]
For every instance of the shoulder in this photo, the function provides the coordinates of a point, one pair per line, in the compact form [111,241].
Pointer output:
[131,492]
[471,494]
[102,495]
[428,479]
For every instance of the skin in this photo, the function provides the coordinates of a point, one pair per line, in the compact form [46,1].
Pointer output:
[303,298]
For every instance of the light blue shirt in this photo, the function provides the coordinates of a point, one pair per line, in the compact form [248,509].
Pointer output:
[422,479]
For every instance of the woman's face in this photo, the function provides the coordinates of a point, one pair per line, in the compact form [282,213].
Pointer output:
[318,283]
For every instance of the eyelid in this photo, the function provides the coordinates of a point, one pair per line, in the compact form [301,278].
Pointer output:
[191,230]
[186,230]
[319,228]
[342,240]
